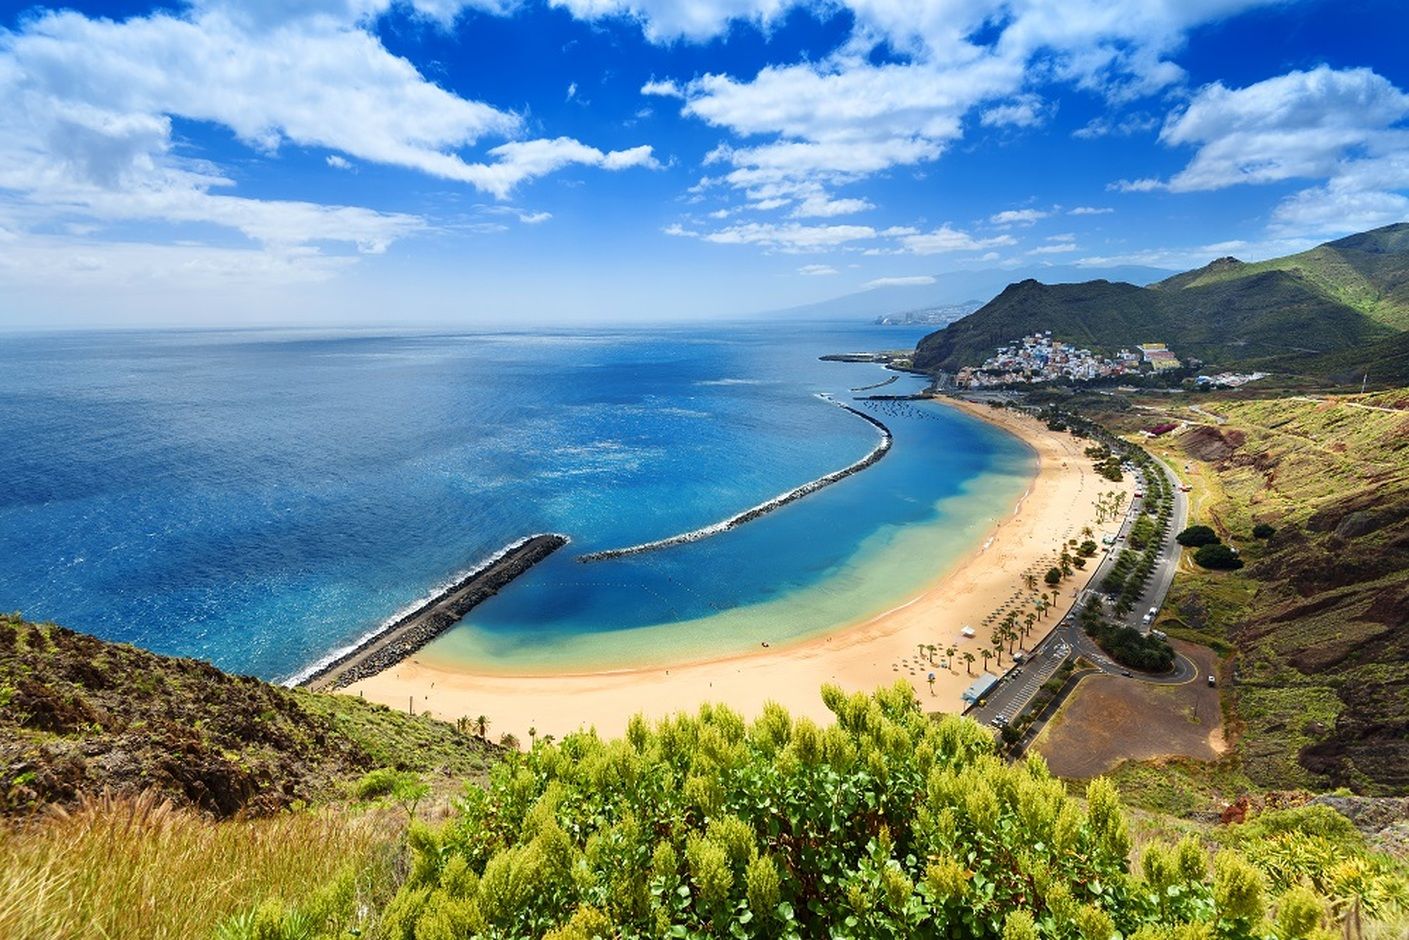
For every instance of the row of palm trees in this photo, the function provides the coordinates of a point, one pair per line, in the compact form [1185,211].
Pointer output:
[1013,629]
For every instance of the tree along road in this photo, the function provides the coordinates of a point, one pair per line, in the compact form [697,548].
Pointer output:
[1019,685]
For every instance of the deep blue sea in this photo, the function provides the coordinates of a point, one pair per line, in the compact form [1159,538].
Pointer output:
[260,498]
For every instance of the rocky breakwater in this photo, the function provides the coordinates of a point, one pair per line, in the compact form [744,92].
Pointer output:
[777,502]
[399,638]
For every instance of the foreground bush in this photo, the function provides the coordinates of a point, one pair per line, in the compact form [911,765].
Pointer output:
[887,824]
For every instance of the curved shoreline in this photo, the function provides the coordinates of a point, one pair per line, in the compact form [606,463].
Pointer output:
[857,653]
[763,508]
[402,635]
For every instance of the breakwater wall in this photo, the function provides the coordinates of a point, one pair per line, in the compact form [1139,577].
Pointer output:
[406,633]
[867,388]
[777,502]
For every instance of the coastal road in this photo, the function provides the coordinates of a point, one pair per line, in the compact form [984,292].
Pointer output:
[1020,684]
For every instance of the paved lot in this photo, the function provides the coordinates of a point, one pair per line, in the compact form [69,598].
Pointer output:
[1111,718]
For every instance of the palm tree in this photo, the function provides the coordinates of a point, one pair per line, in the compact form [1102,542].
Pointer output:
[987,655]
[1029,619]
[996,638]
[482,726]
[1086,532]
[931,683]
[968,662]
[921,648]
[931,649]
[949,652]
[532,735]
[508,741]
[1031,581]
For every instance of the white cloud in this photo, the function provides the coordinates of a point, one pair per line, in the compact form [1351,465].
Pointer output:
[946,239]
[820,205]
[790,237]
[1298,125]
[1123,126]
[662,89]
[908,281]
[521,160]
[816,270]
[1018,217]
[86,134]
[535,218]
[1055,248]
[1345,127]
[1024,111]
[1146,185]
[1091,210]
[845,117]
[1338,210]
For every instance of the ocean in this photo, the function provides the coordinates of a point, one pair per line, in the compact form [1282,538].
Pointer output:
[261,498]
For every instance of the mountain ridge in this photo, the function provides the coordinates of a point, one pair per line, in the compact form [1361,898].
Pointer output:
[1300,311]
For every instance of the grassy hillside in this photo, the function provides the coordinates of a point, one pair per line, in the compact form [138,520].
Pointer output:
[1298,311]
[1369,272]
[79,715]
[1320,616]
[886,823]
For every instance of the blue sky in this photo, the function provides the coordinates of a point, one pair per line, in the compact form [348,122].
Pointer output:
[493,161]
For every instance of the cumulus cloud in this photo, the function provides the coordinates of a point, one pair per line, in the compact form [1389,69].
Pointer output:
[844,117]
[1018,217]
[1343,127]
[816,270]
[789,237]
[86,134]
[1298,125]
[947,239]
[1090,210]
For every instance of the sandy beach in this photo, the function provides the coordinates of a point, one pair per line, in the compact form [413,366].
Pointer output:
[857,656]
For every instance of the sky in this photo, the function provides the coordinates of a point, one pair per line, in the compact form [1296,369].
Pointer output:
[523,162]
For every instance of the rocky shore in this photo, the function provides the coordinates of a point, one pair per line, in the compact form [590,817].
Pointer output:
[408,633]
[777,502]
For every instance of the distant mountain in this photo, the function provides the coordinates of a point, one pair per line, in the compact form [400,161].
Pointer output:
[1300,312]
[956,287]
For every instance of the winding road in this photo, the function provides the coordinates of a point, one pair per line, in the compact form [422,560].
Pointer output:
[1019,685]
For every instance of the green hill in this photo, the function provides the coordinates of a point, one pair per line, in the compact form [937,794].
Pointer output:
[80,715]
[1297,312]
[1368,272]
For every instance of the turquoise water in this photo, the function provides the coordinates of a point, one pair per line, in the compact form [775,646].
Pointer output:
[261,498]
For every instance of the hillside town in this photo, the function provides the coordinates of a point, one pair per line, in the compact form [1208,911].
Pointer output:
[1040,358]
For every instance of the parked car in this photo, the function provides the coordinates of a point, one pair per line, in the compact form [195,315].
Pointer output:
[1211,680]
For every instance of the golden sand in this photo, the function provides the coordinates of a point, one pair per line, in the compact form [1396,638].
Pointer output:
[857,656]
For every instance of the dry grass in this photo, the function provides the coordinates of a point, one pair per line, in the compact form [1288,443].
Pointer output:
[118,868]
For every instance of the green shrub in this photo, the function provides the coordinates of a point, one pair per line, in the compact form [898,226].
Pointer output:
[886,824]
[1197,535]
[1218,557]
[1263,531]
